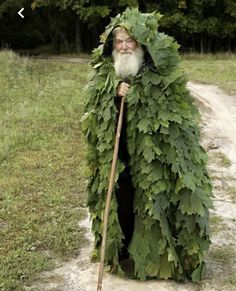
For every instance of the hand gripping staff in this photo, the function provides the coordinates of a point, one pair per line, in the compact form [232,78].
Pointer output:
[109,192]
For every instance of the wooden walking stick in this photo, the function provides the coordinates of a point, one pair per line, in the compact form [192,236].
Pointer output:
[109,192]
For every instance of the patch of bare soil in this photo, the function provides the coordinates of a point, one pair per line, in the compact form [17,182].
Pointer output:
[218,127]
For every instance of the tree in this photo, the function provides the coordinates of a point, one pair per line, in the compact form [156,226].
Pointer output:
[18,33]
[75,25]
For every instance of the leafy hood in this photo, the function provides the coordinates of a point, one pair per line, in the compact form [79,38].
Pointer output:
[143,27]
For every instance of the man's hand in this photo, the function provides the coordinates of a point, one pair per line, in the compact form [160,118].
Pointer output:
[122,89]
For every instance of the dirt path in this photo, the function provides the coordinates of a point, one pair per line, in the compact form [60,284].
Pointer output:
[218,127]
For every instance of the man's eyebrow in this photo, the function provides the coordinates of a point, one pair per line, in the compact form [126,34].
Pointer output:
[128,38]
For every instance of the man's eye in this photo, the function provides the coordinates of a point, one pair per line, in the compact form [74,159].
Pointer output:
[130,40]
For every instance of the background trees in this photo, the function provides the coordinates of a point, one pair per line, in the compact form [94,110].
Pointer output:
[75,25]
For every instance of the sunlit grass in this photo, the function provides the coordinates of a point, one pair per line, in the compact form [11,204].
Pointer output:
[42,166]
[218,69]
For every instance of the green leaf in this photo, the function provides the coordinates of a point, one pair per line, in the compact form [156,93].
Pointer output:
[151,77]
[156,173]
[185,202]
[199,273]
[148,154]
[204,225]
[97,65]
[172,77]
[143,125]
[197,205]
[152,269]
[165,269]
[152,23]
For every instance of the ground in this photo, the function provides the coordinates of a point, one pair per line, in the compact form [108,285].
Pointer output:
[218,127]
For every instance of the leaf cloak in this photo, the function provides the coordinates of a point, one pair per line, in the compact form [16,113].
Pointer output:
[167,162]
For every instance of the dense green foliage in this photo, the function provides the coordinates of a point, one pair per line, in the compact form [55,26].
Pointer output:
[172,187]
[198,25]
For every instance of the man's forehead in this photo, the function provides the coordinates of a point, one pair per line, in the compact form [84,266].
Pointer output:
[122,34]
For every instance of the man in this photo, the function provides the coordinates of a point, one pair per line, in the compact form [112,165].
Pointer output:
[159,211]
[128,59]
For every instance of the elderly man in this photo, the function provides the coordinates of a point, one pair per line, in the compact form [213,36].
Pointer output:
[128,59]
[159,214]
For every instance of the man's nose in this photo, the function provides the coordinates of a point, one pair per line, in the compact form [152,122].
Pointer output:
[124,45]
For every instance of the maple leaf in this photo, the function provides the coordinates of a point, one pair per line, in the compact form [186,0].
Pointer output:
[198,274]
[148,154]
[165,268]
[143,125]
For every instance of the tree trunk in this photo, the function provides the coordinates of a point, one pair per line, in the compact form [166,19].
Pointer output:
[45,22]
[91,38]
[55,42]
[229,45]
[209,44]
[78,35]
[193,41]
[64,40]
[201,43]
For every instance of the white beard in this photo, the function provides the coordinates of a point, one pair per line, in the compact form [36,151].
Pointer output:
[128,64]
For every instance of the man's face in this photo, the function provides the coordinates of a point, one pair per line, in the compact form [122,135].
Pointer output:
[127,54]
[124,43]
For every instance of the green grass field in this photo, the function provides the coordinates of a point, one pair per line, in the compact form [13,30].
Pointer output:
[42,166]
[219,69]
[42,159]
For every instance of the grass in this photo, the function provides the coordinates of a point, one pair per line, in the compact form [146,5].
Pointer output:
[218,69]
[223,257]
[231,279]
[217,223]
[223,254]
[232,192]
[223,160]
[42,166]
